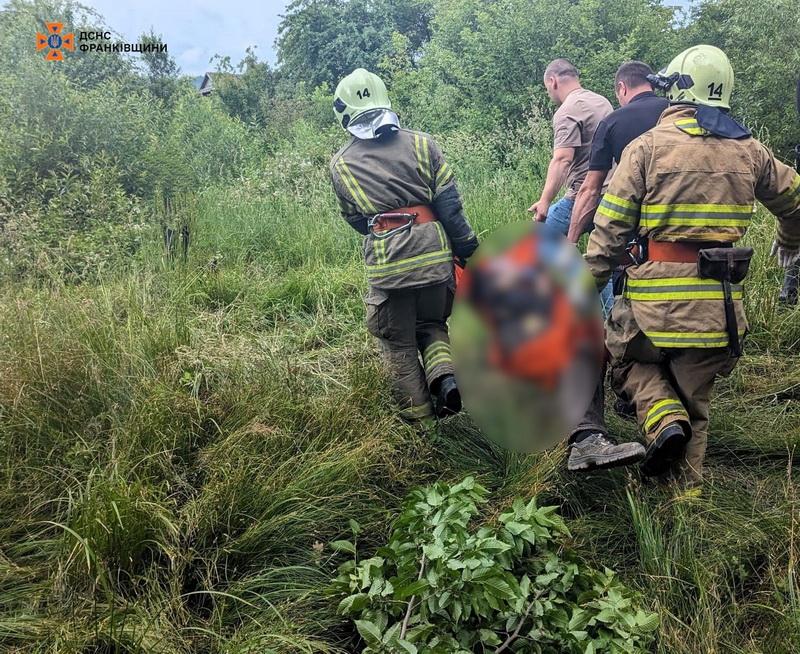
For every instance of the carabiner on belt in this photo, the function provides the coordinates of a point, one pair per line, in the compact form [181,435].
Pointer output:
[373,222]
[637,251]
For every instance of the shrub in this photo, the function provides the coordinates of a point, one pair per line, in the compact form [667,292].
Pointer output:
[438,587]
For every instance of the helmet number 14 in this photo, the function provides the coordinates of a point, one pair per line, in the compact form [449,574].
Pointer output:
[365,93]
[714,92]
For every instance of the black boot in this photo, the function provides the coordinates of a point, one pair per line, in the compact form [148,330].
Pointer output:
[448,397]
[667,448]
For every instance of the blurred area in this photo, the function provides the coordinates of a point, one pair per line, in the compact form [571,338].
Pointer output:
[526,335]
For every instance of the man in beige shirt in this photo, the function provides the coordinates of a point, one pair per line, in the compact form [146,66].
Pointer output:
[574,125]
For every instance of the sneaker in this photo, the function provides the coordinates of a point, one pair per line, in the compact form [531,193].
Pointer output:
[448,397]
[598,451]
[667,448]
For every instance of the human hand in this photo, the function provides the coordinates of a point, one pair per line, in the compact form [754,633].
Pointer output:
[786,257]
[539,210]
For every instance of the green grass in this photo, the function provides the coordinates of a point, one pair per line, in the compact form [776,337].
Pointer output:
[180,442]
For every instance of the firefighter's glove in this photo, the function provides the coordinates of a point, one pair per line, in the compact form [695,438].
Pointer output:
[359,223]
[464,249]
[786,257]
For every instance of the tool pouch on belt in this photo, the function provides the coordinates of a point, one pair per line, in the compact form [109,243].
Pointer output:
[729,266]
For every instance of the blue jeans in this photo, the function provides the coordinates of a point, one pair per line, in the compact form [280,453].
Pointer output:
[558,217]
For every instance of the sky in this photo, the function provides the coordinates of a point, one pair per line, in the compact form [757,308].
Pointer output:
[196,30]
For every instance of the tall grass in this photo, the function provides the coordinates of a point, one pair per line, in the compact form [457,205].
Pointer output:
[181,441]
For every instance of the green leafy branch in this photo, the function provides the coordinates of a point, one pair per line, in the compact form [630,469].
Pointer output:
[438,587]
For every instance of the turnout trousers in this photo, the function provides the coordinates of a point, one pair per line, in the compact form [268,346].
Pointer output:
[411,327]
[666,385]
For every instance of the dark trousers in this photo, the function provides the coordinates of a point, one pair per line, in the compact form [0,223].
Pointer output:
[411,324]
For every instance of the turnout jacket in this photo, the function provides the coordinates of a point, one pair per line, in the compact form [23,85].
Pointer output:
[679,182]
[397,170]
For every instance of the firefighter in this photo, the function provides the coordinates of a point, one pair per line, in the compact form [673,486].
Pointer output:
[395,188]
[686,190]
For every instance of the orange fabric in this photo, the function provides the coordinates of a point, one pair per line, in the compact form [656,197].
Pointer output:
[394,219]
[544,358]
[678,252]
[458,272]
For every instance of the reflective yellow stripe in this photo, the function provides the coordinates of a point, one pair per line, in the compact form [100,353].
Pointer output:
[436,354]
[352,191]
[355,188]
[417,412]
[694,221]
[407,265]
[622,202]
[679,295]
[433,348]
[674,281]
[442,236]
[661,409]
[437,361]
[402,262]
[690,126]
[426,155]
[379,248]
[696,215]
[678,288]
[614,215]
[444,175]
[617,208]
[705,208]
[689,339]
[421,147]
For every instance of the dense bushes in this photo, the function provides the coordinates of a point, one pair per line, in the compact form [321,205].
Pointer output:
[87,146]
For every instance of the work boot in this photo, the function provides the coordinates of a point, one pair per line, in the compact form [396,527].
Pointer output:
[595,450]
[448,397]
[667,448]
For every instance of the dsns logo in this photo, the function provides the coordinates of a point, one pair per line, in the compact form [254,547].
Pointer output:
[55,40]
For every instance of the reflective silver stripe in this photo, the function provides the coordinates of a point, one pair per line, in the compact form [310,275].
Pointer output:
[610,204]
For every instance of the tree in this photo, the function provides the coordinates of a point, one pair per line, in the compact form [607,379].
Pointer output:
[761,41]
[320,41]
[247,89]
[161,69]
[485,61]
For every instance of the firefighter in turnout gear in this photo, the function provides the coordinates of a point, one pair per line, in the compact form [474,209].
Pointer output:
[687,191]
[396,189]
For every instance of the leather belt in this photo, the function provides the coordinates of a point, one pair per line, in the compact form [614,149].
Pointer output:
[679,251]
[402,217]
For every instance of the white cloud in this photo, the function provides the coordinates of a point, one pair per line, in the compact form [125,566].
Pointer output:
[196,30]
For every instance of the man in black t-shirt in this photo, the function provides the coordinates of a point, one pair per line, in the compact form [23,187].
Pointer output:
[639,111]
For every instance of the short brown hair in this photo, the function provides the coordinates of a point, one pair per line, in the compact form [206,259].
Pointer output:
[633,73]
[561,68]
